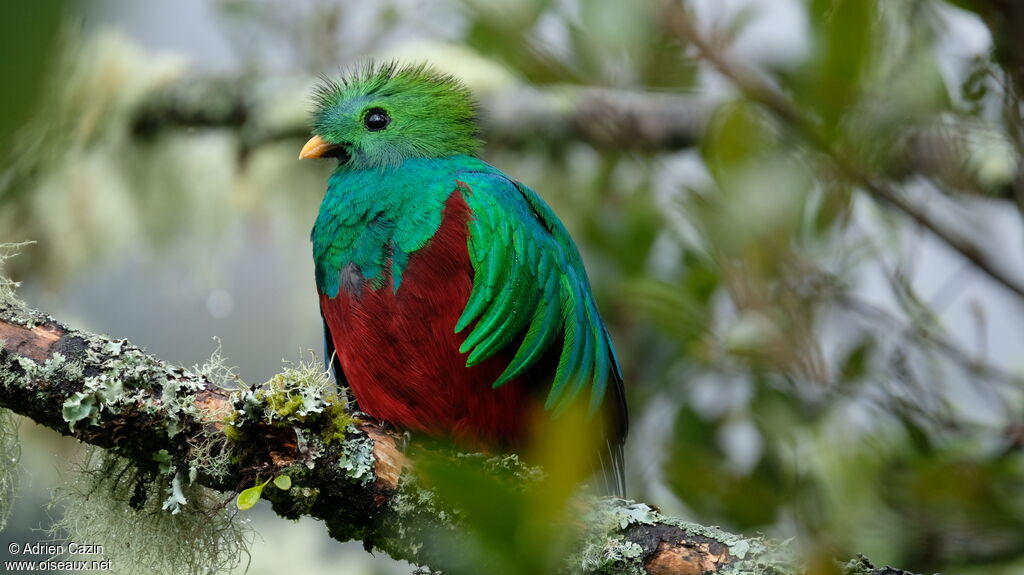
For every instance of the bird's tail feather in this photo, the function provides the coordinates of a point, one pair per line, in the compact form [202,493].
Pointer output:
[612,474]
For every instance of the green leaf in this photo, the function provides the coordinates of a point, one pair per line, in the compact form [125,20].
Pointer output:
[737,137]
[846,33]
[164,459]
[283,482]
[857,361]
[251,496]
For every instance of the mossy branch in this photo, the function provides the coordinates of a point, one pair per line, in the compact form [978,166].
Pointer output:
[348,472]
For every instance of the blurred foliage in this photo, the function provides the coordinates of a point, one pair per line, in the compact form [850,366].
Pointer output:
[519,518]
[785,372]
[32,34]
[602,42]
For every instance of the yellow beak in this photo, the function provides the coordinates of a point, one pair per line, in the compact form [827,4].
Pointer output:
[316,147]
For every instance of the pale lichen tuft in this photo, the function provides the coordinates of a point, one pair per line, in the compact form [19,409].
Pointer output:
[296,392]
[7,285]
[10,453]
[112,502]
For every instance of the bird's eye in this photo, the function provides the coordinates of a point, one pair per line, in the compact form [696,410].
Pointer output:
[376,119]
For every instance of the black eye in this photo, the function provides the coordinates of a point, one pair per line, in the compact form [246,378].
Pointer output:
[376,119]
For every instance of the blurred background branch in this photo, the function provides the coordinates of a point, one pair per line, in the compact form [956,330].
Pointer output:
[555,117]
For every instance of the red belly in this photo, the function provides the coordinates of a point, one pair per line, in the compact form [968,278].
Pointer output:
[400,353]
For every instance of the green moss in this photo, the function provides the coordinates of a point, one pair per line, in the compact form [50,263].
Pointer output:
[298,499]
[300,397]
[304,498]
[295,394]
[338,422]
[284,406]
[232,429]
[233,433]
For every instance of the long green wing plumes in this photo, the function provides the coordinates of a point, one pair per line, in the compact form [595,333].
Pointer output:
[529,277]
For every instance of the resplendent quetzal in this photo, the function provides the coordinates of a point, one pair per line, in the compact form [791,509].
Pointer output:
[454,301]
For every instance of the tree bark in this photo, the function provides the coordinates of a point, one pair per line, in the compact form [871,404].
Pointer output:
[109,393]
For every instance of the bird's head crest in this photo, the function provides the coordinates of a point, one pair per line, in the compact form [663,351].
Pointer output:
[381,114]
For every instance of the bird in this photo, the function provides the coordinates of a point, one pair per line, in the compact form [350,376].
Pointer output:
[455,304]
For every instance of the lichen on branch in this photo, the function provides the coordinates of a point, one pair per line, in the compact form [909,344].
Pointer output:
[176,445]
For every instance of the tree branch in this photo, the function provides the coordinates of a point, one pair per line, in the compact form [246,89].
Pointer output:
[109,393]
[554,117]
[604,118]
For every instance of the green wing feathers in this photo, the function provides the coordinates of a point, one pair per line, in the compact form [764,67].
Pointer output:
[529,280]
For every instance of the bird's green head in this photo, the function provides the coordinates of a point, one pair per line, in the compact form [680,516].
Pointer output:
[381,114]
